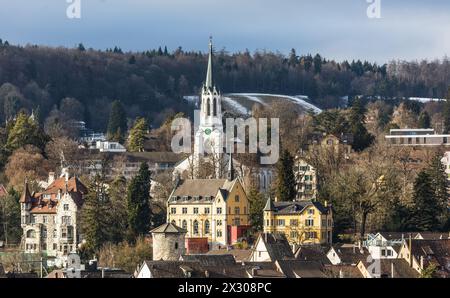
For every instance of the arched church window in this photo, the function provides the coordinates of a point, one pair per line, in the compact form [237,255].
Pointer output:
[208,108]
[207,227]
[215,106]
[195,227]
[184,224]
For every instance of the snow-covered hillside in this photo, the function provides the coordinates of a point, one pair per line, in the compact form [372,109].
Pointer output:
[242,103]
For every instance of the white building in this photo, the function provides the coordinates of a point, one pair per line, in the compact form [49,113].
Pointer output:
[306,179]
[417,137]
[107,146]
[209,138]
[50,219]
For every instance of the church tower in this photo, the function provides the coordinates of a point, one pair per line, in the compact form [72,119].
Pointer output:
[209,136]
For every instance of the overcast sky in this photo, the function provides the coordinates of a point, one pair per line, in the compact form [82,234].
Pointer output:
[339,29]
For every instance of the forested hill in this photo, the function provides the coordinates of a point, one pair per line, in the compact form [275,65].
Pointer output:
[152,83]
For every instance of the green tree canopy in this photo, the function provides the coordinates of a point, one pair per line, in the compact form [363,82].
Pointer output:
[137,135]
[285,187]
[138,203]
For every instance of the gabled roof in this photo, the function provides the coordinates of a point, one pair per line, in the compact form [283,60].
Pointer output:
[298,207]
[316,253]
[210,260]
[3,191]
[240,255]
[435,252]
[168,228]
[396,268]
[351,254]
[277,246]
[201,190]
[301,269]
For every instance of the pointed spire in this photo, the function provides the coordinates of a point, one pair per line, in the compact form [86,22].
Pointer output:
[269,205]
[230,173]
[26,196]
[209,75]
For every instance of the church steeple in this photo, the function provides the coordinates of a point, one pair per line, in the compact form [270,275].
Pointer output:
[209,83]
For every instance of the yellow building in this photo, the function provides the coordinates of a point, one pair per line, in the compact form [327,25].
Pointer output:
[302,222]
[216,209]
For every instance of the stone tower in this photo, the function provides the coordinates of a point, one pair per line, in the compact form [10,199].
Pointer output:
[209,136]
[168,242]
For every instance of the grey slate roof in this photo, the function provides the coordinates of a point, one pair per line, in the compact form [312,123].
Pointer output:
[210,260]
[168,228]
[200,190]
[277,246]
[269,205]
[297,207]
[316,253]
[302,269]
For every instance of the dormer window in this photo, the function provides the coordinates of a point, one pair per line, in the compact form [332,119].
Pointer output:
[196,198]
[174,199]
[185,198]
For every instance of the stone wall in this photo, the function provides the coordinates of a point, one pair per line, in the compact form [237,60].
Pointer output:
[168,247]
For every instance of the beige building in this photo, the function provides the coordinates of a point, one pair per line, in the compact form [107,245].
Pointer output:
[215,209]
[50,219]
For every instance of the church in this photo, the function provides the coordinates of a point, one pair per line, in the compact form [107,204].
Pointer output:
[209,159]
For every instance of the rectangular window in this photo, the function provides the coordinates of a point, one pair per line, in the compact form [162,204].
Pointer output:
[55,246]
[195,210]
[173,210]
[219,210]
[294,234]
[237,210]
[207,210]
[293,222]
[324,222]
[237,221]
[310,211]
[66,207]
[44,219]
[280,222]
[219,223]
[219,233]
[184,210]
[309,222]
[236,198]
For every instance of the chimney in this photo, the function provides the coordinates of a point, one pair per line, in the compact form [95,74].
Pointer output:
[51,177]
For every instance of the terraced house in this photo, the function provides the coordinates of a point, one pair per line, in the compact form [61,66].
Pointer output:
[214,212]
[302,222]
[50,219]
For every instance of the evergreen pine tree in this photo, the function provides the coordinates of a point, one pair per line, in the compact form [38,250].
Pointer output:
[257,203]
[424,120]
[94,216]
[439,187]
[426,207]
[137,135]
[361,137]
[285,188]
[138,203]
[117,125]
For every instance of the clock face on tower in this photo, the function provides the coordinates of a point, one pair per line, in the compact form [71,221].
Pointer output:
[208,131]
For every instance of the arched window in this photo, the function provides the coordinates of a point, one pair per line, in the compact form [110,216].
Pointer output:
[207,227]
[176,245]
[184,225]
[208,107]
[195,227]
[31,234]
[174,222]
[215,107]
